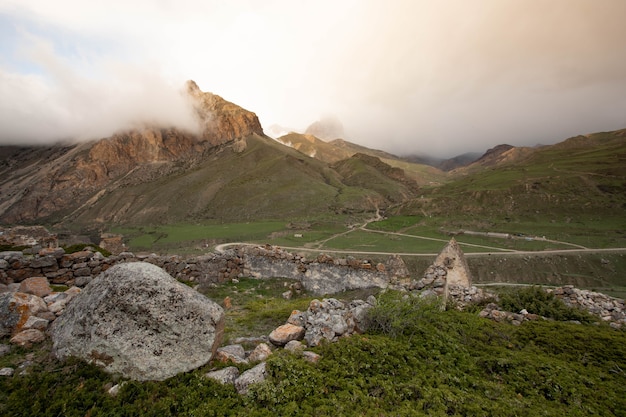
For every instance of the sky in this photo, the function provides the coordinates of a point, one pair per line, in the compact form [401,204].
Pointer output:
[434,77]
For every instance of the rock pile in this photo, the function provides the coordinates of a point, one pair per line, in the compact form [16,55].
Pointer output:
[329,320]
[137,320]
[609,309]
[26,315]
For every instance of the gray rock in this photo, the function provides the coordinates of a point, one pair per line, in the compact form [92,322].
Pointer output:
[294,346]
[231,353]
[136,320]
[15,309]
[4,349]
[249,377]
[260,353]
[224,376]
[7,372]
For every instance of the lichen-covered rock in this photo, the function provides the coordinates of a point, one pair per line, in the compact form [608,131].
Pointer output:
[15,309]
[38,286]
[286,333]
[137,320]
[26,338]
[251,376]
[260,353]
[231,353]
[224,376]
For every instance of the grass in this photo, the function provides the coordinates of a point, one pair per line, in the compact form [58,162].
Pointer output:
[257,305]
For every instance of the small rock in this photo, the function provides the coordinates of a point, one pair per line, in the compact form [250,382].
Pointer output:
[115,389]
[37,323]
[231,353]
[311,356]
[7,372]
[294,346]
[38,286]
[286,333]
[224,376]
[251,376]
[27,337]
[287,295]
[297,318]
[4,349]
[260,353]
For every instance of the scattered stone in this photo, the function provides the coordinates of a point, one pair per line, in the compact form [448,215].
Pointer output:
[261,352]
[286,333]
[224,376]
[115,389]
[137,320]
[231,353]
[36,323]
[15,309]
[4,349]
[249,377]
[7,371]
[26,338]
[311,356]
[38,286]
[294,346]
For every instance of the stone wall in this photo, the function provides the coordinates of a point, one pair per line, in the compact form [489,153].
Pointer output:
[322,275]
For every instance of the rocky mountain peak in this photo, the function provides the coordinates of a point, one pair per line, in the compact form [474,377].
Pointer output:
[221,120]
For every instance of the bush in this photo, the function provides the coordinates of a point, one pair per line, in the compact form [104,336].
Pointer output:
[398,314]
[538,301]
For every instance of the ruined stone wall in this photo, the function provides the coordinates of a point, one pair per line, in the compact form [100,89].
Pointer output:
[322,275]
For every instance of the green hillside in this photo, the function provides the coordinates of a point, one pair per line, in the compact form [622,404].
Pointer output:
[267,180]
[579,180]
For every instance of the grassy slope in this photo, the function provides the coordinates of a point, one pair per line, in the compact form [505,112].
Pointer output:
[580,182]
[266,181]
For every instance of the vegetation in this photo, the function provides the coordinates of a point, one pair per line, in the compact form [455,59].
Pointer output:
[416,360]
[538,301]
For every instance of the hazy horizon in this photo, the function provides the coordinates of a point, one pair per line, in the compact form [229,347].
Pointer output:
[405,76]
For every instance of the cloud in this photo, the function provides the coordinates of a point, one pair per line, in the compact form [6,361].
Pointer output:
[61,103]
[405,76]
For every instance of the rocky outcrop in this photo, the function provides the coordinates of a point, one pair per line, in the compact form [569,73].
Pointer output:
[222,121]
[137,320]
[38,182]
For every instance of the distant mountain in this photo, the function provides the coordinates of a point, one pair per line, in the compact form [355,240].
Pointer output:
[444,164]
[327,128]
[339,149]
[579,179]
[230,171]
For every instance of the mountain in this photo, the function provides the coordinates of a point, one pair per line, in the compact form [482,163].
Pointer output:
[327,128]
[583,177]
[339,149]
[230,171]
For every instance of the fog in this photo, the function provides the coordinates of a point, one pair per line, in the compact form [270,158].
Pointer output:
[407,76]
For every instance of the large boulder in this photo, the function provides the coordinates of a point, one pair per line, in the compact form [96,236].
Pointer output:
[137,320]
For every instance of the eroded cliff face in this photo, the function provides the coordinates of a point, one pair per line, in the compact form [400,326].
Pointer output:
[39,182]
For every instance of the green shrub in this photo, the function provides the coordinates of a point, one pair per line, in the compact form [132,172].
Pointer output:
[398,314]
[538,301]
